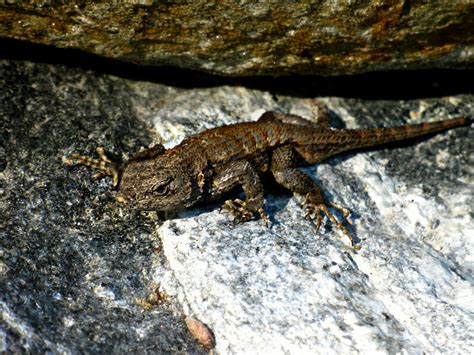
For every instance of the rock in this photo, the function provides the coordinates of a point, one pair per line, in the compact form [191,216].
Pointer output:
[74,268]
[288,289]
[78,273]
[248,38]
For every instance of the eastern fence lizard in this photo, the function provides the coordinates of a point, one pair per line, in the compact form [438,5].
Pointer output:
[209,164]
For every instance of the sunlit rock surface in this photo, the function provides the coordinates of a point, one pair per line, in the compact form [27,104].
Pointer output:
[249,38]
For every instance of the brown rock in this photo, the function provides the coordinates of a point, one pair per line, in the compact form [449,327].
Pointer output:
[248,38]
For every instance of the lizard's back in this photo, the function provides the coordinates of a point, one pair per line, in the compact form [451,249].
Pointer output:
[242,140]
[313,141]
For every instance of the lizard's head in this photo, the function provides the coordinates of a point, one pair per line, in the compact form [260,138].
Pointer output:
[158,184]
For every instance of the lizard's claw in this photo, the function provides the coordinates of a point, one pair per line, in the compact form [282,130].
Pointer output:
[105,166]
[242,211]
[316,210]
[238,209]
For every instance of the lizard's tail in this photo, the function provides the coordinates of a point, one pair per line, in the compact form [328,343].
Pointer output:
[376,136]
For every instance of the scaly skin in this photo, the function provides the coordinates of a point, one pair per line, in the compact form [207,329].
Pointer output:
[211,163]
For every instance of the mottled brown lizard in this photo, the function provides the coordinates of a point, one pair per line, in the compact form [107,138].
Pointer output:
[211,163]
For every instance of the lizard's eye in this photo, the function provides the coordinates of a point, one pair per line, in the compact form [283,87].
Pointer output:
[162,188]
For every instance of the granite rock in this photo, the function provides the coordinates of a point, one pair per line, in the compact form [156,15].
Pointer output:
[289,289]
[249,38]
[78,273]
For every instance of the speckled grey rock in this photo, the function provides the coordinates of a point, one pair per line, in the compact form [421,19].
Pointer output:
[255,38]
[75,268]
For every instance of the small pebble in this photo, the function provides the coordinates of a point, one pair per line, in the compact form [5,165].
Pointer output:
[201,333]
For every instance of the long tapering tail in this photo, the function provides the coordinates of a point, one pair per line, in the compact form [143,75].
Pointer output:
[376,136]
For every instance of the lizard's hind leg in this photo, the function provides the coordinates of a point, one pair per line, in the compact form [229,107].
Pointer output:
[105,166]
[286,174]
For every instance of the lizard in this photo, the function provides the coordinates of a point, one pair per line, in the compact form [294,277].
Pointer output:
[209,164]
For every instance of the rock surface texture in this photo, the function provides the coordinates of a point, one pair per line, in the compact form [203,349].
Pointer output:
[78,273]
[248,38]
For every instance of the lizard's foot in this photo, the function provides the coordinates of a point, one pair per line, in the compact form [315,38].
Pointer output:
[315,210]
[242,211]
[105,166]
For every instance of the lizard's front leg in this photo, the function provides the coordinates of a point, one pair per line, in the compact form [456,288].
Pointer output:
[105,166]
[240,172]
[285,173]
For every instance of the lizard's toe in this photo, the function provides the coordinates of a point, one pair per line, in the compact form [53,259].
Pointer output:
[238,209]
[244,211]
[104,165]
[316,210]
